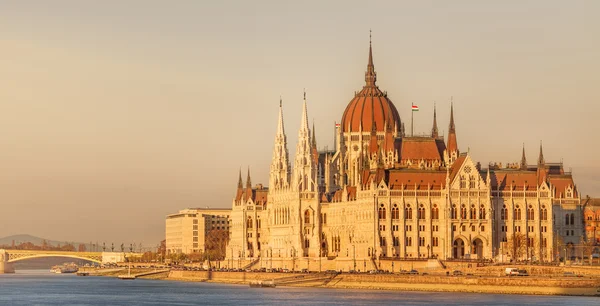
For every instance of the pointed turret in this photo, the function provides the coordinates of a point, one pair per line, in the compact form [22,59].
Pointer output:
[240,183]
[305,164]
[541,160]
[248,180]
[434,129]
[370,75]
[280,169]
[523,159]
[452,144]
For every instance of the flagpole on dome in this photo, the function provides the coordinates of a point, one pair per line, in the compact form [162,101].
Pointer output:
[414,108]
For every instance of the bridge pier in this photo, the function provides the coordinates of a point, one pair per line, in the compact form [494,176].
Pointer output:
[5,266]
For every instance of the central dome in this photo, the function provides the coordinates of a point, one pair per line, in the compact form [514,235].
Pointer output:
[369,106]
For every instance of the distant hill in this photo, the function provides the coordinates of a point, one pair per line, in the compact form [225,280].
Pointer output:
[33,239]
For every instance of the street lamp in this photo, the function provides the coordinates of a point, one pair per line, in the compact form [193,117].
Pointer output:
[354,256]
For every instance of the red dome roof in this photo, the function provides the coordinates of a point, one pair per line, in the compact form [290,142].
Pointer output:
[370,105]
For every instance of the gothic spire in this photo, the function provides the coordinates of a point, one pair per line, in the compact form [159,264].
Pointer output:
[541,160]
[314,137]
[240,183]
[452,128]
[523,159]
[434,129]
[280,126]
[370,75]
[248,181]
[452,144]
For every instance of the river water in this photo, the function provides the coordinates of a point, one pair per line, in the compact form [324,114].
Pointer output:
[37,287]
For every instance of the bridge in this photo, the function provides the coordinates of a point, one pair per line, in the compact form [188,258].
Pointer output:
[7,257]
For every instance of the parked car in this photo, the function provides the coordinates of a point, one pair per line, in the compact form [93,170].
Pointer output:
[457,273]
[511,271]
[414,272]
[522,273]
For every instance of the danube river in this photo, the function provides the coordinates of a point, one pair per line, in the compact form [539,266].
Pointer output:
[43,288]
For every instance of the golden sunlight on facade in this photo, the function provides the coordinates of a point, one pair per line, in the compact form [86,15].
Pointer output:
[382,194]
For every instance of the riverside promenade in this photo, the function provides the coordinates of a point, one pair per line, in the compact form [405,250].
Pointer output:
[550,284]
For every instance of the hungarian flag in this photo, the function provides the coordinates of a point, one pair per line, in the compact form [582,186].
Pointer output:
[415,108]
[337,125]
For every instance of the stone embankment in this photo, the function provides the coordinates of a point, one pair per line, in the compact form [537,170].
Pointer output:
[480,284]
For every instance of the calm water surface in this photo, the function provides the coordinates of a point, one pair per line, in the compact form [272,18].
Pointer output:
[44,288]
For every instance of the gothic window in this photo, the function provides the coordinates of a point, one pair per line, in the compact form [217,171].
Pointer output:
[530,213]
[249,222]
[408,241]
[307,217]
[504,213]
[258,223]
[396,241]
[544,213]
[473,212]
[381,212]
[435,212]
[421,213]
[463,212]
[518,213]
[482,212]
[572,219]
[382,242]
[454,211]
[471,181]
[567,219]
[395,212]
[408,212]
[306,243]
[463,182]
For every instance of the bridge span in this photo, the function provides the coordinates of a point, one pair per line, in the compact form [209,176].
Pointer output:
[7,257]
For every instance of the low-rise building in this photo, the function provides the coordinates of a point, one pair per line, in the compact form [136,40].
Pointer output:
[186,231]
[591,218]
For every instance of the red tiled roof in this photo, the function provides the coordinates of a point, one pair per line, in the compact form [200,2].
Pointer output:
[561,183]
[422,179]
[517,179]
[418,148]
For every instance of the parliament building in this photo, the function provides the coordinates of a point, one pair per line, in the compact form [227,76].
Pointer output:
[382,194]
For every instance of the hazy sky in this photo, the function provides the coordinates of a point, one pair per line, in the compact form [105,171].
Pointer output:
[116,113]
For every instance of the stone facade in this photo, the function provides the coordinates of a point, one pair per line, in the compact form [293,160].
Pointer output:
[383,194]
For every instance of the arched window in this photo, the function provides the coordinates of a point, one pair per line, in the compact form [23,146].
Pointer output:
[567,219]
[381,212]
[544,213]
[421,214]
[473,212]
[572,219]
[395,212]
[307,217]
[435,212]
[530,213]
[408,212]
[249,222]
[482,212]
[471,181]
[463,212]
[463,182]
[518,213]
[504,213]
[454,211]
[258,223]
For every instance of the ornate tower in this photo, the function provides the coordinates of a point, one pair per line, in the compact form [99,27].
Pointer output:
[280,169]
[523,165]
[304,163]
[452,147]
[434,129]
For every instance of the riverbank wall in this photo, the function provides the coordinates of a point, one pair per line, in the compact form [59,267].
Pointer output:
[441,283]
